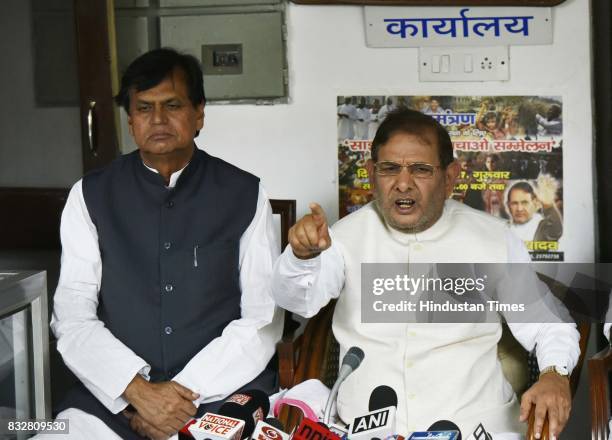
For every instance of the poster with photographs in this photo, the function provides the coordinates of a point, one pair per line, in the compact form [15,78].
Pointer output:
[509,148]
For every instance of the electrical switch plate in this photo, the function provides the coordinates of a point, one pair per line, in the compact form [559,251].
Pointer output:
[464,64]
[435,64]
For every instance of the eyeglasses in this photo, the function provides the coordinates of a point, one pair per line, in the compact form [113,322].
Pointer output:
[418,170]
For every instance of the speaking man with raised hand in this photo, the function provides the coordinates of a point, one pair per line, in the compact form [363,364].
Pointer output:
[439,371]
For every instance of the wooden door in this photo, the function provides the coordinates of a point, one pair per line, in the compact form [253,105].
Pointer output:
[97,81]
[33,214]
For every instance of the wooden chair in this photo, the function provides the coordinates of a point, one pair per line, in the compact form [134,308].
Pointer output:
[286,210]
[600,366]
[315,355]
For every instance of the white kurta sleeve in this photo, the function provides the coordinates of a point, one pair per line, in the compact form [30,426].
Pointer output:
[555,343]
[247,344]
[103,363]
[305,286]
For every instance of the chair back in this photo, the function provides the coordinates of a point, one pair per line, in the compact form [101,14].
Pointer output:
[600,367]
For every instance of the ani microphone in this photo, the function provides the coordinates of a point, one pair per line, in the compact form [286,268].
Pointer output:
[382,396]
[377,424]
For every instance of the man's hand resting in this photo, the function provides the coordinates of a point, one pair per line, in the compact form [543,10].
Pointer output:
[165,405]
[551,395]
[142,427]
[310,236]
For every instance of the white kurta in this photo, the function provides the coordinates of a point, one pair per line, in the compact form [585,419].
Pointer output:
[526,231]
[384,110]
[439,371]
[346,124]
[373,125]
[362,123]
[106,365]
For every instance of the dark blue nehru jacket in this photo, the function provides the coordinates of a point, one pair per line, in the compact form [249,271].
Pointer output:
[170,274]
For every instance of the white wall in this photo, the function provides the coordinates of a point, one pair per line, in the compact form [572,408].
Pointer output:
[293,147]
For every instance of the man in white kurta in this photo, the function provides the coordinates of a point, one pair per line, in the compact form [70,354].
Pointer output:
[439,371]
[386,109]
[347,115]
[524,201]
[363,120]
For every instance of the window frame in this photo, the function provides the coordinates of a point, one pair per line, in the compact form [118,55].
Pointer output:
[543,3]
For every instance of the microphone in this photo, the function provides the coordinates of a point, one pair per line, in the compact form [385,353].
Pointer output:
[274,422]
[438,435]
[378,424]
[238,415]
[442,430]
[351,361]
[184,433]
[382,396]
[445,425]
[311,430]
[269,429]
[251,406]
[339,430]
[216,427]
[480,433]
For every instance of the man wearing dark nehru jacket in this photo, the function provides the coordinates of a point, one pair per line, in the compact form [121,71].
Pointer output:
[164,296]
[439,371]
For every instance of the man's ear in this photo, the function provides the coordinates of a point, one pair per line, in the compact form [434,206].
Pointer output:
[450,177]
[200,116]
[130,126]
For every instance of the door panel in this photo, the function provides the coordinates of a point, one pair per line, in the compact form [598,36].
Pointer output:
[42,144]
[97,80]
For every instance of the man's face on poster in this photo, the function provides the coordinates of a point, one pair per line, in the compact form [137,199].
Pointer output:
[522,206]
[408,202]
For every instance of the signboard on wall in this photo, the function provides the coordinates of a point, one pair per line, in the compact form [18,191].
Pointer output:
[434,26]
[510,149]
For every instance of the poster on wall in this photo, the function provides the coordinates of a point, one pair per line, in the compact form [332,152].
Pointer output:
[510,149]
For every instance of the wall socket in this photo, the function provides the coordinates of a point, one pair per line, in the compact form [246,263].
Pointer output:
[464,64]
